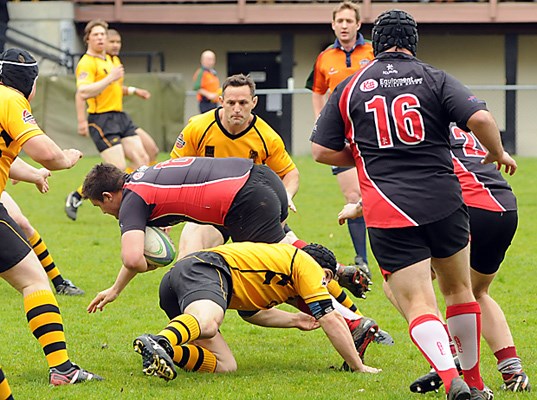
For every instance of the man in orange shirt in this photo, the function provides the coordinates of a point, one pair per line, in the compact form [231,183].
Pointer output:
[206,83]
[349,53]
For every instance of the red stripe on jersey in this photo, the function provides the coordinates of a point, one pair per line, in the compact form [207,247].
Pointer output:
[207,202]
[379,210]
[474,193]
[345,99]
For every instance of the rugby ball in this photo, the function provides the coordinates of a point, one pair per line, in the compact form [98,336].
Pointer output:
[159,250]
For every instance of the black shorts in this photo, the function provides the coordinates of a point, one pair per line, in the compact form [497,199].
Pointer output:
[107,129]
[199,276]
[397,248]
[339,170]
[13,245]
[206,105]
[258,209]
[491,234]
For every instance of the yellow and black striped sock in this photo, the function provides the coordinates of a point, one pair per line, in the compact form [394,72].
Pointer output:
[45,322]
[194,358]
[341,297]
[181,330]
[41,250]
[5,390]
[79,191]
[129,170]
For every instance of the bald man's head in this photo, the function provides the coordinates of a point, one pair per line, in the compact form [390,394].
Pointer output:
[208,59]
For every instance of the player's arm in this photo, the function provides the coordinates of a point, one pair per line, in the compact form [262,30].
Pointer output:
[109,295]
[208,94]
[81,115]
[291,181]
[46,152]
[132,90]
[350,211]
[89,90]
[317,100]
[338,333]
[184,145]
[324,155]
[20,170]
[134,262]
[484,127]
[132,251]
[276,318]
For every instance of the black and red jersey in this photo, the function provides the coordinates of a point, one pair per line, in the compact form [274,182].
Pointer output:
[395,113]
[182,189]
[483,186]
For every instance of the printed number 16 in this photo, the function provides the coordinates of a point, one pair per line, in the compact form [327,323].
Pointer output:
[406,117]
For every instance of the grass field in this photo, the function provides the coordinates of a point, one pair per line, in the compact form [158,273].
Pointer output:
[272,363]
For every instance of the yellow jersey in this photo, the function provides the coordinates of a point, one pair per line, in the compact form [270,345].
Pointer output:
[91,69]
[17,125]
[205,136]
[265,275]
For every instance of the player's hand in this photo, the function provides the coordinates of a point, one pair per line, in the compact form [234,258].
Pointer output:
[102,299]
[350,211]
[83,128]
[41,181]
[367,369]
[73,155]
[292,206]
[504,159]
[144,94]
[306,322]
[117,72]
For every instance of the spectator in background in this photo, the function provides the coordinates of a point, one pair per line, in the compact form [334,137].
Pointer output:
[206,83]
[344,57]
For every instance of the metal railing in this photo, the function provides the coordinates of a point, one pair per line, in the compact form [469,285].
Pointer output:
[40,48]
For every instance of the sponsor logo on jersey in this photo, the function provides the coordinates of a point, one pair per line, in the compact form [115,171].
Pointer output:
[83,75]
[209,151]
[473,99]
[180,142]
[368,85]
[332,71]
[390,70]
[28,118]
[398,82]
[137,175]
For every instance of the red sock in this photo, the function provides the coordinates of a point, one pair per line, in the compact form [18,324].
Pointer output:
[429,336]
[508,352]
[464,321]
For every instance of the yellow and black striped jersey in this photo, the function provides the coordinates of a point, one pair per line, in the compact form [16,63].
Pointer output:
[17,125]
[91,69]
[265,275]
[205,136]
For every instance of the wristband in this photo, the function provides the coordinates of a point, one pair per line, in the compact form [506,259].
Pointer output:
[131,90]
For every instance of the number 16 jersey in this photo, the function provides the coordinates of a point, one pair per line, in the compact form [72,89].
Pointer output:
[395,113]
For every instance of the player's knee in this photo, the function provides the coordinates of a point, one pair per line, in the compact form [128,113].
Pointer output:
[23,222]
[480,291]
[208,327]
[227,365]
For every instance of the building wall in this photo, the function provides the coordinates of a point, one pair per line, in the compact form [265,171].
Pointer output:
[473,59]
